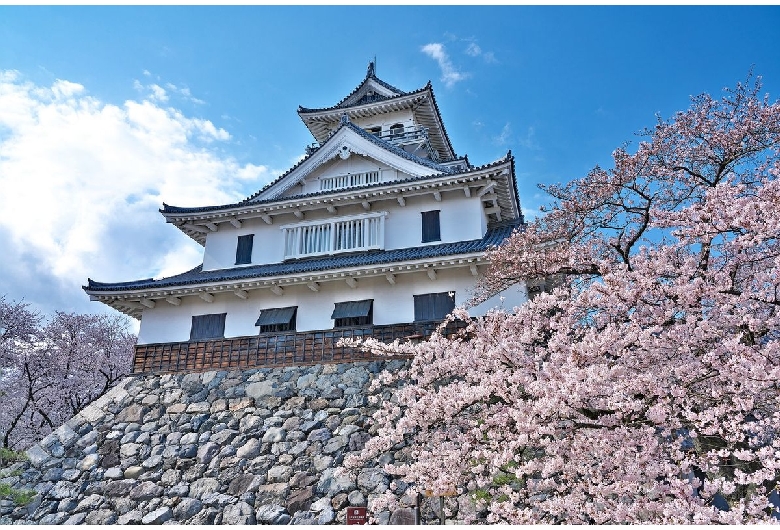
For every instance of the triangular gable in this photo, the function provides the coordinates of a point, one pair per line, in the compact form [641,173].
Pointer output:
[368,91]
[370,88]
[347,141]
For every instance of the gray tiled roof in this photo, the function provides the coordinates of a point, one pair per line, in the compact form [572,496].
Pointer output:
[370,74]
[494,237]
[401,94]
[167,208]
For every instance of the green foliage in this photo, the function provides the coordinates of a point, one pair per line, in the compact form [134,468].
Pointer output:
[6,474]
[481,495]
[9,455]
[502,479]
[17,496]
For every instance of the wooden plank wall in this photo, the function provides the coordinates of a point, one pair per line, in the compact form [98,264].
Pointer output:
[275,349]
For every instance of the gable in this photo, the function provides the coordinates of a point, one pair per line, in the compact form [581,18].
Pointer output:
[337,174]
[347,142]
[369,91]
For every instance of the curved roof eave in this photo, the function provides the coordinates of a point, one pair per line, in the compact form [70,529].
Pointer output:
[387,146]
[196,276]
[370,76]
[427,90]
[168,209]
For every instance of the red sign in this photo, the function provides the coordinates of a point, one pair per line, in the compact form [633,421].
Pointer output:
[357,515]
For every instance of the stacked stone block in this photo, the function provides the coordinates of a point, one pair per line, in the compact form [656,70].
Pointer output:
[241,447]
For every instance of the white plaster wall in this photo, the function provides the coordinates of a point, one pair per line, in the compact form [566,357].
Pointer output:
[337,167]
[386,120]
[462,218]
[393,304]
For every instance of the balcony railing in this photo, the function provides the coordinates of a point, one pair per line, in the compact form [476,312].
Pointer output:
[276,349]
[407,136]
[316,238]
[411,136]
[349,181]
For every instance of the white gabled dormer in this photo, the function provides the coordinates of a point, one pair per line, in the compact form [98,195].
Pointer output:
[382,109]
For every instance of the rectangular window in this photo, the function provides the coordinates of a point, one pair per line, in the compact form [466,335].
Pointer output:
[277,319]
[431,230]
[208,327]
[344,234]
[433,306]
[359,313]
[244,249]
[351,180]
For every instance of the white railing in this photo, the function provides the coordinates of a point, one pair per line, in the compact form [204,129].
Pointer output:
[349,181]
[314,238]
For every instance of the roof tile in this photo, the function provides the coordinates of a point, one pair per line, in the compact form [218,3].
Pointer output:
[494,237]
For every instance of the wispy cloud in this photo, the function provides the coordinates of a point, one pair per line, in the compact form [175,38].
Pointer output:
[158,93]
[475,50]
[505,136]
[92,175]
[449,73]
[529,140]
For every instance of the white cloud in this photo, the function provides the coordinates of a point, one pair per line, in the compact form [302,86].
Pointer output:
[82,181]
[449,74]
[489,57]
[504,136]
[474,50]
[158,93]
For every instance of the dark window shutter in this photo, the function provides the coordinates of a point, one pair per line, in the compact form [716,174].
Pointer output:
[359,313]
[244,249]
[208,327]
[434,306]
[277,319]
[422,307]
[430,226]
[443,304]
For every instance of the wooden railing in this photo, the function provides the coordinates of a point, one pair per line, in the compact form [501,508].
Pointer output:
[275,349]
[349,181]
[347,234]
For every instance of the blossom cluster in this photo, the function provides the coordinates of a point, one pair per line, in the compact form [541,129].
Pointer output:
[643,384]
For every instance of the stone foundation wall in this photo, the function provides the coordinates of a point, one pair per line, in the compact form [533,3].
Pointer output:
[222,447]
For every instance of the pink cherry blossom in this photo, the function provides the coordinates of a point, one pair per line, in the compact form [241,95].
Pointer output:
[51,371]
[642,385]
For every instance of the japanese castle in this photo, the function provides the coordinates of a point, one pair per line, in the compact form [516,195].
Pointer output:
[380,230]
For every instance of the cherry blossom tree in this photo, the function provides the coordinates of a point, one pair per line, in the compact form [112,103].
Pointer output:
[51,371]
[643,383]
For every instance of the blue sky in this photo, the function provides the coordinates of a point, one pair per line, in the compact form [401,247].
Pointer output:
[106,112]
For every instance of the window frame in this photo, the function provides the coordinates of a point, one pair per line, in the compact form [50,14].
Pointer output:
[199,319]
[429,306]
[247,249]
[292,325]
[431,226]
[346,322]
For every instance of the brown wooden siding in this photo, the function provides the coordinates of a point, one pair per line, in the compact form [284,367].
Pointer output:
[274,349]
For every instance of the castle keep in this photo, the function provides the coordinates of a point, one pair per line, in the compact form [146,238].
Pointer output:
[380,230]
